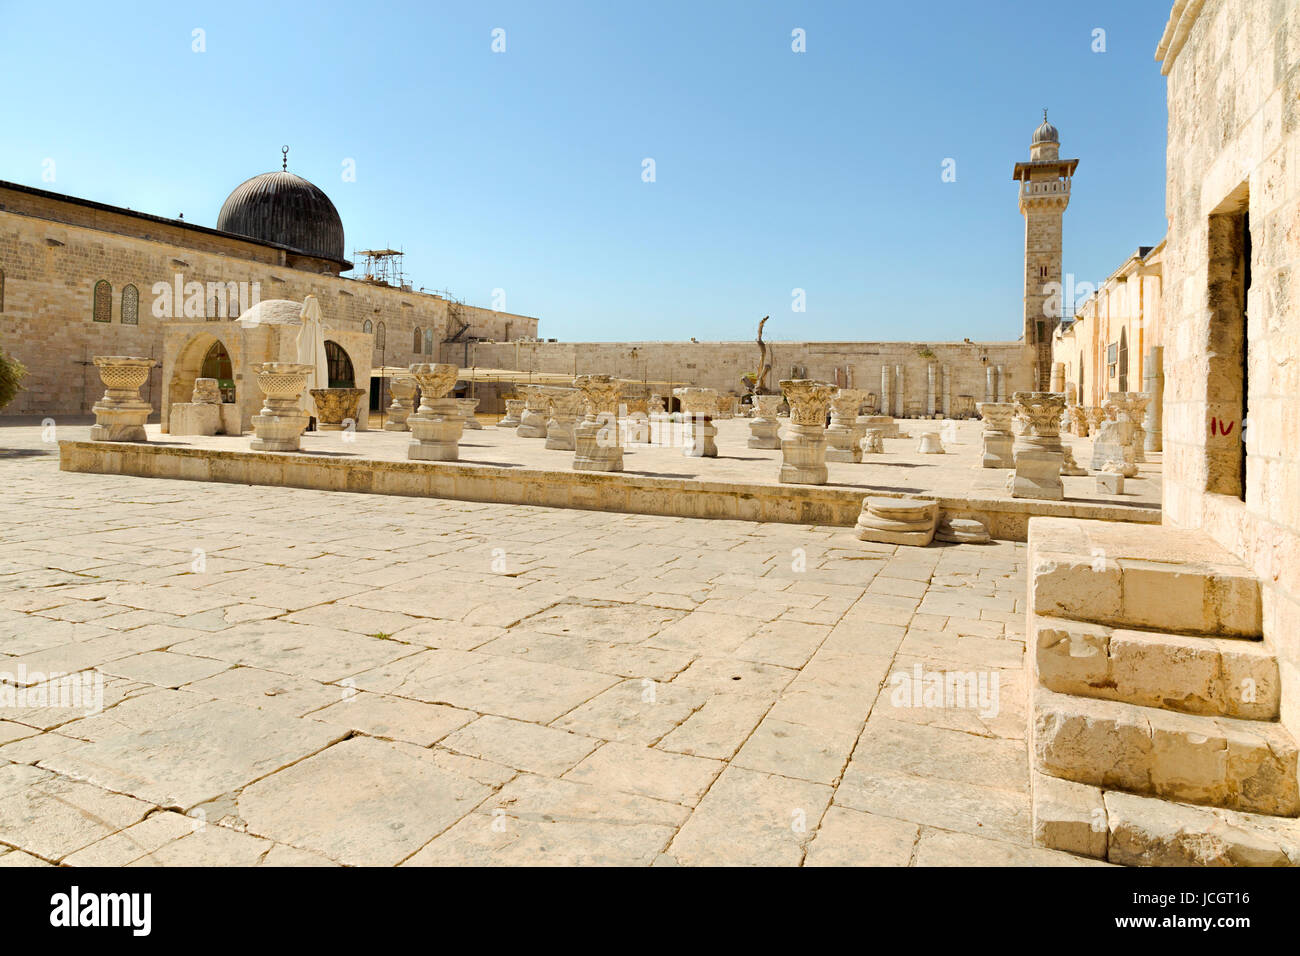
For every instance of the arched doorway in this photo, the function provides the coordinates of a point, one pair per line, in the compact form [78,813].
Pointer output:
[203,356]
[339,366]
[216,364]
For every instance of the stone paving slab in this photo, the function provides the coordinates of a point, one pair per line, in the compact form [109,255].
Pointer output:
[363,680]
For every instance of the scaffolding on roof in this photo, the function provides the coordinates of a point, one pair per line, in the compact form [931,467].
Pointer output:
[383,267]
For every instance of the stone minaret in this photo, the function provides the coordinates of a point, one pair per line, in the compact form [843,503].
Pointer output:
[1044,194]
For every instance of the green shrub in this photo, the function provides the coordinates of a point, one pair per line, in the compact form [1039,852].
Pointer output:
[12,373]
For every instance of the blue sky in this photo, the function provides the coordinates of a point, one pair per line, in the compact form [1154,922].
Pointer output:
[522,170]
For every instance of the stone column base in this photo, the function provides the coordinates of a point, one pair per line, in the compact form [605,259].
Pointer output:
[1037,475]
[277,433]
[1068,465]
[909,521]
[763,433]
[873,443]
[596,447]
[843,442]
[997,450]
[120,422]
[436,438]
[636,429]
[559,434]
[1110,482]
[700,441]
[961,531]
[930,444]
[192,418]
[803,455]
[532,425]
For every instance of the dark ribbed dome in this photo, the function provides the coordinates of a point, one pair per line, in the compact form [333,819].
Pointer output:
[287,210]
[1046,133]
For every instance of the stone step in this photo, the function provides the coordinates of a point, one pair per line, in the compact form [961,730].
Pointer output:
[1157,578]
[1190,674]
[1219,761]
[1132,830]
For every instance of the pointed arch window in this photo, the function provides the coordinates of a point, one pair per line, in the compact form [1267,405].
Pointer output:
[419,341]
[2,290]
[381,335]
[103,308]
[130,312]
[368,326]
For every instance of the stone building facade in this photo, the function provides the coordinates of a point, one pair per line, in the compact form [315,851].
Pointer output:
[1115,341]
[910,379]
[1232,296]
[80,279]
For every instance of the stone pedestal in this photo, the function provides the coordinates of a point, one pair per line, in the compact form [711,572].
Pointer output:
[1110,482]
[930,444]
[201,415]
[403,391]
[1068,465]
[803,442]
[1037,475]
[1038,450]
[885,423]
[636,428]
[436,426]
[532,422]
[596,439]
[698,406]
[335,407]
[844,435]
[514,408]
[280,425]
[467,407]
[1095,415]
[1114,440]
[873,442]
[909,521]
[189,418]
[961,531]
[120,415]
[997,440]
[567,405]
[764,428]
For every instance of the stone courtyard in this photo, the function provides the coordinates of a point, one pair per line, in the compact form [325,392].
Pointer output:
[303,677]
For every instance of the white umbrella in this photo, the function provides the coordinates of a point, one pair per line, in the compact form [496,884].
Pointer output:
[311,350]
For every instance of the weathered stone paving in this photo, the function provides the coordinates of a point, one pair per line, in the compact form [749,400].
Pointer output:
[298,678]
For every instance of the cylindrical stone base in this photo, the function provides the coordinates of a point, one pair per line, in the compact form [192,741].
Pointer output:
[700,435]
[436,438]
[596,446]
[803,455]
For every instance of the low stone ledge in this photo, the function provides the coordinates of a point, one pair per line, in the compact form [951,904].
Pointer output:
[627,492]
